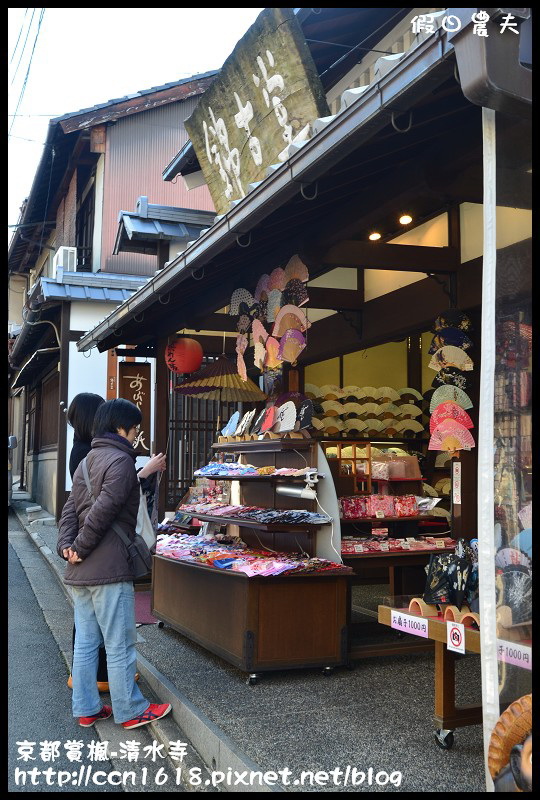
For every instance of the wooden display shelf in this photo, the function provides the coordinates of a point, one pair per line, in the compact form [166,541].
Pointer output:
[396,480]
[300,478]
[265,445]
[389,519]
[260,526]
[398,553]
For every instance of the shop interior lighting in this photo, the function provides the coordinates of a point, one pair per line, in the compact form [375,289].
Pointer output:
[374,236]
[405,219]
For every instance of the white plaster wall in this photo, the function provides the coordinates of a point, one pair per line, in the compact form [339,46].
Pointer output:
[85,314]
[513,225]
[98,214]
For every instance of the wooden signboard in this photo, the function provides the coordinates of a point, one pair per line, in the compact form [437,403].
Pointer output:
[267,94]
[135,385]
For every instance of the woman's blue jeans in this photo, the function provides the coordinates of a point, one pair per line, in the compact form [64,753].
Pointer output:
[106,615]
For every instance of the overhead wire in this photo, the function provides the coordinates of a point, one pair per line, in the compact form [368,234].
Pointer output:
[24,45]
[21,95]
[18,37]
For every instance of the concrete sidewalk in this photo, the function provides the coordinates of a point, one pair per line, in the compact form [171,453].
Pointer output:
[379,715]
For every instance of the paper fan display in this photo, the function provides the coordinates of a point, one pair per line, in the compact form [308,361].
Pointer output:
[386,393]
[408,391]
[353,392]
[295,293]
[260,334]
[351,409]
[354,424]
[443,459]
[277,279]
[272,359]
[332,424]
[304,416]
[370,393]
[296,397]
[296,269]
[443,486]
[517,592]
[369,409]
[262,286]
[450,336]
[269,419]
[232,424]
[525,515]
[259,355]
[240,296]
[241,366]
[330,392]
[258,422]
[506,556]
[332,408]
[291,345]
[285,418]
[244,323]
[450,410]
[410,425]
[450,356]
[311,391]
[241,343]
[448,393]
[273,305]
[390,424]
[245,422]
[453,318]
[388,410]
[409,409]
[373,424]
[317,423]
[290,317]
[452,376]
[429,490]
[450,435]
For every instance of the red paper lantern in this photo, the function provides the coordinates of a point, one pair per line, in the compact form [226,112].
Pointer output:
[184,355]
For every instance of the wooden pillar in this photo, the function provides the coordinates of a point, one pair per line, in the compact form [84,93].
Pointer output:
[414,361]
[112,375]
[62,404]
[161,420]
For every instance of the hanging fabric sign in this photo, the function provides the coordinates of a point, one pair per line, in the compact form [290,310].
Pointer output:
[135,385]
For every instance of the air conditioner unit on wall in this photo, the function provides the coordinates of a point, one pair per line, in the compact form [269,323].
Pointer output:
[66,258]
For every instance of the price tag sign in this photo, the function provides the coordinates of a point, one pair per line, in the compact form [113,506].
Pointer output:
[385,547]
[455,637]
[439,543]
[405,545]
[358,548]
[514,653]
[456,483]
[379,514]
[406,623]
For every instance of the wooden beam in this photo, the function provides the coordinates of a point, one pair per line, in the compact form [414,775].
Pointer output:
[320,297]
[402,257]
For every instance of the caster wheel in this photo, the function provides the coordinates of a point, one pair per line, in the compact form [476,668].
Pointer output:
[444,739]
[327,671]
[161,624]
[253,680]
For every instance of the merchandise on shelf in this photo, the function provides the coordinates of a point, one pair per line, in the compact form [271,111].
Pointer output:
[262,515]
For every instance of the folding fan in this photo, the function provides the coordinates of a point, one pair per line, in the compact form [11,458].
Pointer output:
[332,424]
[241,365]
[448,393]
[447,336]
[354,424]
[506,556]
[525,515]
[258,422]
[259,355]
[332,408]
[277,279]
[410,425]
[269,419]
[291,345]
[386,393]
[388,410]
[304,416]
[452,376]
[390,423]
[246,421]
[370,392]
[241,343]
[442,459]
[450,356]
[240,296]
[295,292]
[290,317]
[450,435]
[373,424]
[330,392]
[232,424]
[272,359]
[273,305]
[453,318]
[407,390]
[296,269]
[429,490]
[398,451]
[260,334]
[285,418]
[347,451]
[409,409]
[517,585]
[369,409]
[244,323]
[262,286]
[311,391]
[317,423]
[450,410]
[351,409]
[443,485]
[352,391]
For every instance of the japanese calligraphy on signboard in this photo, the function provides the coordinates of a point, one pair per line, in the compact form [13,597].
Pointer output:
[267,94]
[135,383]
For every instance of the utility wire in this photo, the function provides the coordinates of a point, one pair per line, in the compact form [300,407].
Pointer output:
[41,15]
[18,37]
[24,45]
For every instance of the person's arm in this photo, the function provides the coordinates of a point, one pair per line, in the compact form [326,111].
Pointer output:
[155,464]
[68,528]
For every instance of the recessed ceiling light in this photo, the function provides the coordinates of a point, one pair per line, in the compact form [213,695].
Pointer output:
[405,219]
[374,236]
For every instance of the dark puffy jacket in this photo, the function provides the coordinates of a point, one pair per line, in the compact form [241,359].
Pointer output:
[86,526]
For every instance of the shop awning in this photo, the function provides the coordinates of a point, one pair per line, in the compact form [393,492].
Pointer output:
[35,364]
[416,74]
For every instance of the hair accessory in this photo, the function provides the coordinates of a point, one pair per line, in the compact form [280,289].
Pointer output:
[291,345]
[295,293]
[296,269]
[450,336]
[262,286]
[450,410]
[453,318]
[451,356]
[277,279]
[452,376]
[386,393]
[273,305]
[290,317]
[240,296]
[449,393]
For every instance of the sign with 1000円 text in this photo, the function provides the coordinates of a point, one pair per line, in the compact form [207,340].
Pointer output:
[266,94]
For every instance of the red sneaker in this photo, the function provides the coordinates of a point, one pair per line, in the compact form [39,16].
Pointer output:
[153,712]
[87,722]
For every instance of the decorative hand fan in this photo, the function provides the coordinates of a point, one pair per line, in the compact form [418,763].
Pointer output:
[452,394]
[450,435]
[296,397]
[508,556]
[269,419]
[429,490]
[317,423]
[262,308]
[304,416]
[246,421]
[370,393]
[450,336]
[240,296]
[410,425]
[311,391]
[351,409]
[296,269]
[443,486]
[332,424]
[260,334]
[407,391]
[386,393]
[352,392]
[354,424]
[330,392]
[525,515]
[450,411]
[258,422]
[453,318]
[291,345]
[241,366]
[390,423]
[369,409]
[409,410]
[259,355]
[262,286]
[241,343]
[273,305]
[388,410]
[295,293]
[290,317]
[517,588]
[244,323]
[272,359]
[277,279]
[232,424]
[373,424]
[285,418]
[450,356]
[450,375]
[332,408]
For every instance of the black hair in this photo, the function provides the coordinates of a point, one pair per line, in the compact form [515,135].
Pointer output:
[81,413]
[115,414]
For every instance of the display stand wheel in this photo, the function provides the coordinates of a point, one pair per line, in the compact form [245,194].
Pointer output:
[444,738]
[161,624]
[327,671]
[253,679]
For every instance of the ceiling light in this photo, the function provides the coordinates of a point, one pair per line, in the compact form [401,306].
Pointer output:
[374,236]
[405,219]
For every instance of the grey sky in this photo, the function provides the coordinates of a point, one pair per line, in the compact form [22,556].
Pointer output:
[85,56]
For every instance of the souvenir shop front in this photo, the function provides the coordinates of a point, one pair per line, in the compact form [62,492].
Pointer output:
[353,459]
